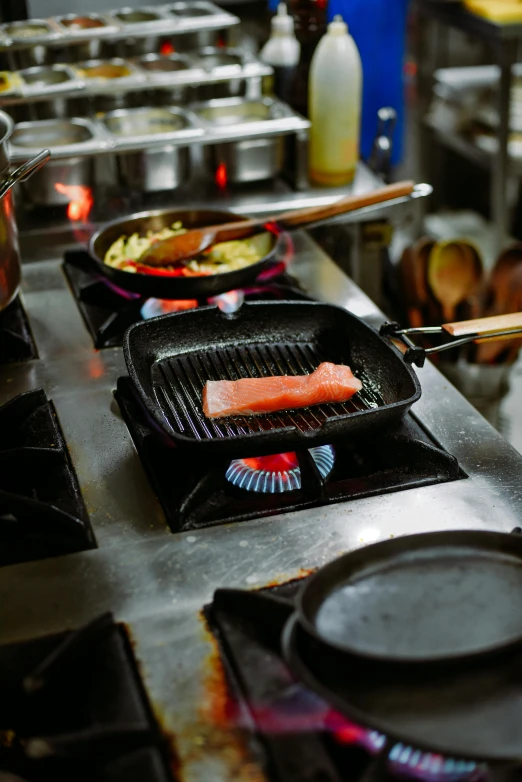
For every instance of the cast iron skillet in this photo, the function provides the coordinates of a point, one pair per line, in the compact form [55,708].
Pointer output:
[437,688]
[170,359]
[428,598]
[175,287]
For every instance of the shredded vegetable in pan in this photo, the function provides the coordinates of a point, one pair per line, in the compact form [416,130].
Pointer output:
[125,252]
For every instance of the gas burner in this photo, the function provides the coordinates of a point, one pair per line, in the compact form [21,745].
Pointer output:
[277,473]
[108,311]
[303,736]
[72,707]
[200,494]
[42,513]
[16,340]
[155,307]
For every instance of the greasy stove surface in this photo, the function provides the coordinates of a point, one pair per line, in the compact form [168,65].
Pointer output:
[157,582]
[72,707]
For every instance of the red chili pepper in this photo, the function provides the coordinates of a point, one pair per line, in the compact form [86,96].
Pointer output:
[156,271]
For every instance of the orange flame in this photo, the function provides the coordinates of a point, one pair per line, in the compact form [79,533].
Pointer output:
[177,305]
[221,176]
[167,47]
[80,201]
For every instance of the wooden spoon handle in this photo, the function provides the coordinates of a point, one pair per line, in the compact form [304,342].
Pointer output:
[487,328]
[303,217]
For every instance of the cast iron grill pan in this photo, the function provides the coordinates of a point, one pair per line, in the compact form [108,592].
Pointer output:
[171,358]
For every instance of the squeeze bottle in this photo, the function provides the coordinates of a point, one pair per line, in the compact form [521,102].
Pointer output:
[282,52]
[334,100]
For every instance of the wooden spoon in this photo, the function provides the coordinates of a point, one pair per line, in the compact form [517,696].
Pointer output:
[181,248]
[454,274]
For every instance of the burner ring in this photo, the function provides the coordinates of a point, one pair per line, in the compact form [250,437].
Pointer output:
[278,473]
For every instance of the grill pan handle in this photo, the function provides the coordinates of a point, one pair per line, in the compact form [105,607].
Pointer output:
[465,331]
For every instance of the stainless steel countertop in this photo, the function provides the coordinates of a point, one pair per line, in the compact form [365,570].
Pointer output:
[158,582]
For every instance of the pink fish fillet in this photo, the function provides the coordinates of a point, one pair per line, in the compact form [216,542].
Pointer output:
[251,396]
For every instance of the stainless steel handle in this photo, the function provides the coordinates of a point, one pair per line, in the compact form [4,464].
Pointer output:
[24,171]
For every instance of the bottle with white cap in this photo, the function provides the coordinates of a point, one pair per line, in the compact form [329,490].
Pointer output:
[334,100]
[282,51]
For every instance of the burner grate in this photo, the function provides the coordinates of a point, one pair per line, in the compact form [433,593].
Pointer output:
[302,736]
[42,513]
[195,492]
[74,708]
[16,340]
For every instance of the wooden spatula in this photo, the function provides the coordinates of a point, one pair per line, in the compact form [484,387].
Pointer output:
[181,248]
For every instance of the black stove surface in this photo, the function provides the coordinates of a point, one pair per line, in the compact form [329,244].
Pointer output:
[16,339]
[73,708]
[197,494]
[109,311]
[295,735]
[42,513]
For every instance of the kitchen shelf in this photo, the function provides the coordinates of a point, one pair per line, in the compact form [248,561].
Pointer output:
[504,41]
[167,24]
[140,79]
[470,150]
[284,122]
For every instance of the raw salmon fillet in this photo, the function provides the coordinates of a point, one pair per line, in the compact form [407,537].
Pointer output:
[250,396]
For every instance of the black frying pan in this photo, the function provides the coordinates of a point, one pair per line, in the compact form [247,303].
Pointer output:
[470,702]
[164,287]
[170,358]
[434,597]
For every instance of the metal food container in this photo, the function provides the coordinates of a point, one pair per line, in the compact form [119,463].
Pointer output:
[105,71]
[222,64]
[31,32]
[132,19]
[162,67]
[47,78]
[43,76]
[193,11]
[75,24]
[76,170]
[249,159]
[159,168]
[159,64]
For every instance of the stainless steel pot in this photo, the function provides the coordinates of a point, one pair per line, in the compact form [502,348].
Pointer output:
[10,269]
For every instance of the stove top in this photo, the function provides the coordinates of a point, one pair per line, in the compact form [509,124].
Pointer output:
[72,707]
[296,734]
[42,513]
[155,582]
[195,493]
[16,339]
[109,311]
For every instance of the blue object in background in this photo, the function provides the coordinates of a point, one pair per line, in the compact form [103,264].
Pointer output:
[379,30]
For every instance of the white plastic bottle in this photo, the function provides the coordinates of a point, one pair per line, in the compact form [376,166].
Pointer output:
[282,52]
[334,99]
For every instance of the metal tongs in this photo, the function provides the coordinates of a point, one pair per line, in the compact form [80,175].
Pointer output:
[463,332]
